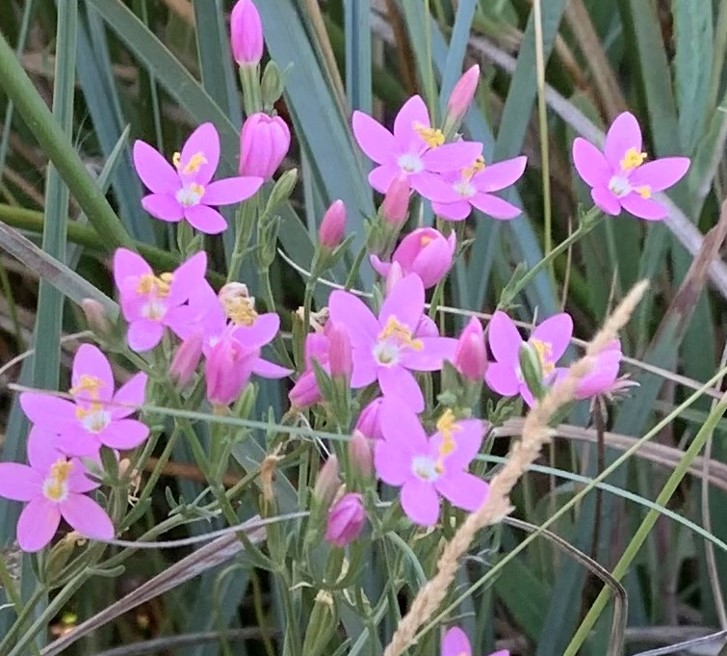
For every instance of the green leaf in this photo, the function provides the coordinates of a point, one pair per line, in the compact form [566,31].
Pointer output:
[358,54]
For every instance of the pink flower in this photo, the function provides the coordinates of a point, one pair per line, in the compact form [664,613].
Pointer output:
[602,378]
[339,351]
[415,149]
[470,358]
[463,93]
[53,487]
[426,468]
[385,348]
[425,252]
[360,454]
[395,205]
[369,421]
[149,302]
[306,392]
[327,482]
[333,225]
[548,342]
[264,142]
[456,643]
[246,33]
[228,367]
[472,186]
[186,359]
[618,177]
[97,416]
[184,191]
[346,519]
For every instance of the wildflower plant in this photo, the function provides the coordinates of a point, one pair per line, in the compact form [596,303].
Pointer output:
[333,424]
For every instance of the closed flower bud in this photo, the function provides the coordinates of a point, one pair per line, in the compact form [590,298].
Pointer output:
[96,317]
[425,252]
[339,351]
[463,94]
[369,421]
[186,359]
[345,520]
[228,368]
[393,275]
[305,392]
[470,357]
[395,205]
[333,225]
[360,454]
[328,482]
[246,33]
[264,142]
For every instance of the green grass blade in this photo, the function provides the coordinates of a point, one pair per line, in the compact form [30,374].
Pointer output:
[457,50]
[358,54]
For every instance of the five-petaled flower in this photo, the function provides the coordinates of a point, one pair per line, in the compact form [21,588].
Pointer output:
[619,178]
[183,189]
[456,643]
[386,348]
[548,342]
[426,468]
[54,487]
[96,416]
[415,149]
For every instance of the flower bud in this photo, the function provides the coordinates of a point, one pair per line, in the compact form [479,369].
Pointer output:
[96,317]
[393,276]
[369,421]
[603,374]
[532,370]
[282,190]
[360,454]
[328,482]
[246,33]
[264,142]
[425,252]
[228,368]
[186,359]
[463,94]
[333,225]
[339,351]
[305,392]
[345,520]
[272,85]
[395,205]
[470,357]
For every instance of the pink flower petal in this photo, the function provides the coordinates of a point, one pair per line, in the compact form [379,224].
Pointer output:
[500,175]
[42,448]
[467,438]
[19,482]
[455,643]
[644,208]
[155,172]
[392,465]
[504,339]
[623,134]
[435,350]
[502,378]
[413,113]
[452,156]
[270,369]
[401,427]
[163,207]
[78,481]
[556,331]
[382,268]
[434,187]
[382,177]
[420,502]
[205,219]
[405,302]
[495,207]
[128,265]
[590,163]
[345,308]
[457,211]
[365,368]
[231,190]
[79,443]
[606,200]
[206,142]
[129,397]
[463,490]
[48,411]
[187,277]
[87,517]
[37,524]
[373,138]
[661,173]
[124,434]
[262,332]
[144,334]
[400,383]
[90,361]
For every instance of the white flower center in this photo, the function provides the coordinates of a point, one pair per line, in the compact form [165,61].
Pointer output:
[464,188]
[386,353]
[410,163]
[425,469]
[190,195]
[154,310]
[94,418]
[55,486]
[619,185]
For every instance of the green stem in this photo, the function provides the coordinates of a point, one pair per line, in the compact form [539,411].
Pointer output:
[632,549]
[19,88]
[26,611]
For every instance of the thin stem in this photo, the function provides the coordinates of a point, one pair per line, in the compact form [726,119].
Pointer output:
[30,605]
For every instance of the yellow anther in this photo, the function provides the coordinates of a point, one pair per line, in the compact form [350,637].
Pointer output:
[431,136]
[82,413]
[644,192]
[240,310]
[87,383]
[194,164]
[468,172]
[425,239]
[544,351]
[177,160]
[446,426]
[401,333]
[156,285]
[60,471]
[632,159]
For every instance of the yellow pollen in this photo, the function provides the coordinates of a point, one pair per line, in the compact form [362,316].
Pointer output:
[446,425]
[431,136]
[424,240]
[177,160]
[192,166]
[156,285]
[81,412]
[644,192]
[632,159]
[468,172]
[240,310]
[544,351]
[59,474]
[87,383]
[401,333]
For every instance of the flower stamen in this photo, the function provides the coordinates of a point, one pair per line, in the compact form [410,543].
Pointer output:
[431,136]
[632,159]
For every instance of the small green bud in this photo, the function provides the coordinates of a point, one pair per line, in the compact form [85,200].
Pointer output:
[272,85]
